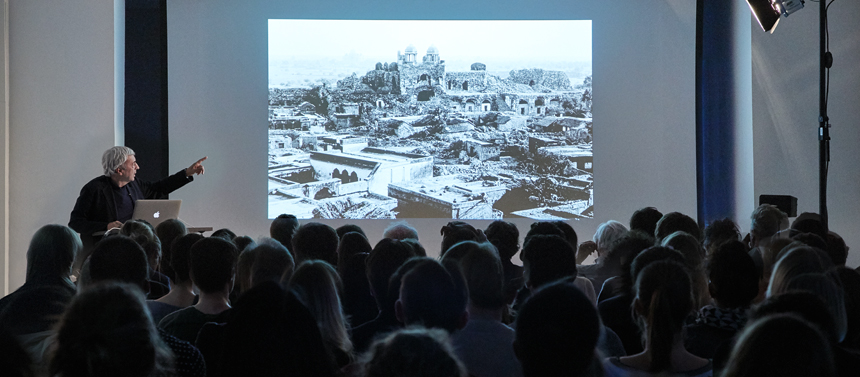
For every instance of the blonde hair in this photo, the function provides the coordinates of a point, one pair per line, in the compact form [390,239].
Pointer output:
[318,286]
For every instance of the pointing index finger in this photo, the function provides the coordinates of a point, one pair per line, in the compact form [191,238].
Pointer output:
[201,160]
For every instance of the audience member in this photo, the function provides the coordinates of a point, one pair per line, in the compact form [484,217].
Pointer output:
[547,258]
[557,330]
[694,260]
[663,301]
[457,231]
[316,284]
[416,247]
[811,239]
[142,233]
[166,232]
[282,229]
[767,222]
[272,262]
[808,222]
[344,229]
[350,244]
[645,220]
[225,234]
[120,259]
[675,221]
[383,262]
[106,331]
[484,344]
[796,260]
[506,238]
[781,345]
[850,280]
[244,242]
[315,241]
[434,296]
[30,313]
[605,237]
[616,265]
[358,303]
[733,285]
[836,249]
[615,312]
[413,352]
[14,360]
[181,293]
[720,231]
[212,270]
[400,230]
[827,287]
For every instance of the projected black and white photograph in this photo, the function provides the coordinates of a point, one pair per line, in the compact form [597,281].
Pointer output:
[433,119]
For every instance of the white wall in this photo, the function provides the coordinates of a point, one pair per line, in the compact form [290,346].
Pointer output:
[64,83]
[644,100]
[785,115]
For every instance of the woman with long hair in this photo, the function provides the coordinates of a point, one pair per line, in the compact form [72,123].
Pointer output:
[664,299]
[318,286]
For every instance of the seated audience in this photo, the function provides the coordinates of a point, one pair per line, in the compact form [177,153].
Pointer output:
[316,284]
[676,221]
[344,229]
[106,331]
[547,258]
[557,330]
[781,345]
[142,233]
[413,352]
[694,260]
[120,259]
[808,222]
[767,224]
[850,280]
[282,229]
[315,241]
[484,345]
[617,263]
[793,261]
[416,247]
[433,296]
[225,234]
[166,232]
[400,230]
[383,262]
[272,262]
[663,301]
[358,304]
[457,231]
[720,231]
[181,293]
[604,238]
[212,269]
[244,242]
[350,244]
[836,249]
[733,285]
[506,238]
[30,313]
[645,220]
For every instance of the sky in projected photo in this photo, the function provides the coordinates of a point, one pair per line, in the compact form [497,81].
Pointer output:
[440,119]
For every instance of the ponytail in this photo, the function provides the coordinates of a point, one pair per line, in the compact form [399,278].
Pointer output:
[664,288]
[661,332]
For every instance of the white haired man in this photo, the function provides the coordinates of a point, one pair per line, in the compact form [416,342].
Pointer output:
[107,201]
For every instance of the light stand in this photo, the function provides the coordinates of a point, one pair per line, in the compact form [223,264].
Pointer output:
[767,13]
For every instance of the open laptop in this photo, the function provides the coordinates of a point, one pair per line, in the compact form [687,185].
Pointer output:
[156,211]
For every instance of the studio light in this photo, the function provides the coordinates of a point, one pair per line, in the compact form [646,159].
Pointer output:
[767,12]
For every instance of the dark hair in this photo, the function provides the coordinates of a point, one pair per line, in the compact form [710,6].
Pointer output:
[651,255]
[556,330]
[14,360]
[547,258]
[665,298]
[811,239]
[675,221]
[107,331]
[432,296]
[455,232]
[645,220]
[282,229]
[836,249]
[620,257]
[52,251]
[569,233]
[720,231]
[225,234]
[121,259]
[358,304]
[384,260]
[781,345]
[733,275]
[413,352]
[505,237]
[482,269]
[180,254]
[350,244]
[545,228]
[349,228]
[416,247]
[167,232]
[315,241]
[244,242]
[809,222]
[270,263]
[213,263]
[851,286]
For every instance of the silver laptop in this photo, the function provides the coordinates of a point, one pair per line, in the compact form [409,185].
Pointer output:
[155,211]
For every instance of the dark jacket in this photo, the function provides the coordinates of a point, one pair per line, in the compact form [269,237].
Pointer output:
[95,207]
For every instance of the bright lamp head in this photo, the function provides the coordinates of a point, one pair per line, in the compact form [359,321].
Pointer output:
[767,12]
